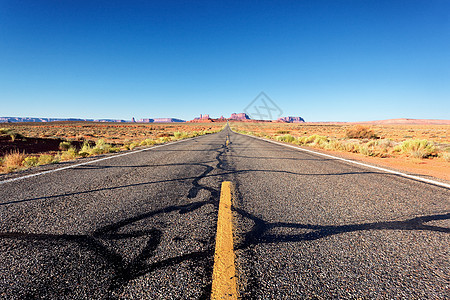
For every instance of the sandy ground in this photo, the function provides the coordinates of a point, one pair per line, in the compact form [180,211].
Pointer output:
[429,167]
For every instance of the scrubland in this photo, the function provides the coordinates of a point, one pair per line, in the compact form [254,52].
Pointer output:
[391,145]
[25,145]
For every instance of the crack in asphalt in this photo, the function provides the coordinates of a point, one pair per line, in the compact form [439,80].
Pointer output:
[123,271]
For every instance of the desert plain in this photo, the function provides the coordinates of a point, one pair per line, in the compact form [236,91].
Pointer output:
[422,149]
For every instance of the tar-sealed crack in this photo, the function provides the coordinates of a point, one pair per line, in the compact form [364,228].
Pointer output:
[114,270]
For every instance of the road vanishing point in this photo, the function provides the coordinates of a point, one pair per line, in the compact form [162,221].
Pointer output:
[222,216]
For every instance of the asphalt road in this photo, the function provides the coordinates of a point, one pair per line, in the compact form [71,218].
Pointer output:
[143,226]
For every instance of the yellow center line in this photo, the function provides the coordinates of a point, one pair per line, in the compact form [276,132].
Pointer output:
[224,273]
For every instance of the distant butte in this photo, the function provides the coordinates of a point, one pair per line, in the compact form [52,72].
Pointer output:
[243,117]
[161,120]
[291,120]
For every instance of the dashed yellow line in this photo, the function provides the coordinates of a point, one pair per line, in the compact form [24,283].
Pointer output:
[224,273]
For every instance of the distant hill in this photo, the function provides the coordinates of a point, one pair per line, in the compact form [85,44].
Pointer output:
[37,120]
[291,120]
[161,120]
[410,121]
[393,122]
[27,119]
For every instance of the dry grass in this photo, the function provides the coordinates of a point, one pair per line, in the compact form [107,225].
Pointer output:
[13,161]
[417,148]
[111,133]
[403,141]
[439,134]
[97,138]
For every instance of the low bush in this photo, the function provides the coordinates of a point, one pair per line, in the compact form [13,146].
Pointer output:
[70,154]
[365,150]
[164,139]
[385,143]
[86,149]
[286,138]
[5,131]
[13,160]
[133,145]
[417,148]
[320,141]
[12,134]
[360,132]
[333,145]
[148,142]
[101,147]
[350,146]
[45,159]
[178,134]
[30,161]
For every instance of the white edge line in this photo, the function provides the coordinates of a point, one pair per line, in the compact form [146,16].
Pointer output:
[353,162]
[92,161]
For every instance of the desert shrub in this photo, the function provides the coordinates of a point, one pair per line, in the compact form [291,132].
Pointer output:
[64,146]
[286,138]
[86,149]
[13,160]
[371,143]
[100,147]
[71,153]
[164,139]
[385,143]
[350,146]
[315,139]
[365,150]
[45,159]
[114,149]
[417,148]
[12,134]
[306,139]
[56,158]
[5,131]
[360,132]
[320,141]
[133,145]
[150,142]
[301,140]
[283,131]
[30,161]
[333,145]
[178,134]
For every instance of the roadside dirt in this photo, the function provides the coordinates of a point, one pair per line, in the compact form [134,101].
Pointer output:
[428,167]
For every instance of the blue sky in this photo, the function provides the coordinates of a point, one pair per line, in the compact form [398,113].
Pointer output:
[343,60]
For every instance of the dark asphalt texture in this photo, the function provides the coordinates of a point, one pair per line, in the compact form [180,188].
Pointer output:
[142,226]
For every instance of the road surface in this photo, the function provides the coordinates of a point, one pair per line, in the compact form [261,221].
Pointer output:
[143,225]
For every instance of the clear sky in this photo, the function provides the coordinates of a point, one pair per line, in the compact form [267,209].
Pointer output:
[342,60]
